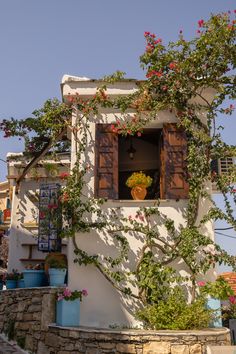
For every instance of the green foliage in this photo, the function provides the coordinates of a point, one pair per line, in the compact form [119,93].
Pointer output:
[175,313]
[56,263]
[220,289]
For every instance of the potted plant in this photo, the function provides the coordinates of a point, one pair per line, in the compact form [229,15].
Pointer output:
[139,182]
[57,270]
[11,279]
[33,276]
[68,307]
[214,293]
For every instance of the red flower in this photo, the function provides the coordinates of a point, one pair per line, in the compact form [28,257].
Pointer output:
[42,215]
[172,66]
[200,23]
[159,40]
[146,34]
[52,206]
[64,175]
[201,283]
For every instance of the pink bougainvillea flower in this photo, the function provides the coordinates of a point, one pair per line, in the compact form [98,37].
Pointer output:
[60,297]
[84,292]
[67,292]
[232,300]
[146,34]
[201,283]
[200,23]
[139,133]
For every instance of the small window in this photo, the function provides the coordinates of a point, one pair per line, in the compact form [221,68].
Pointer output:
[159,153]
[140,154]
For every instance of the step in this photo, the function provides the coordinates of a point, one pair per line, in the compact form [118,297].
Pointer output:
[224,349]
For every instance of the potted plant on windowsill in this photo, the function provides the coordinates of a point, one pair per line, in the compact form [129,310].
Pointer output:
[33,276]
[68,307]
[139,182]
[57,270]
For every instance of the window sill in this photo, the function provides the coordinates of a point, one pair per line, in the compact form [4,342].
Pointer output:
[145,202]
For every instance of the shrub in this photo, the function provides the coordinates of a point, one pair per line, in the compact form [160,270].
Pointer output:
[175,313]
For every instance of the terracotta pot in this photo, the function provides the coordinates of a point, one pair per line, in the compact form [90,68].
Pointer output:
[139,192]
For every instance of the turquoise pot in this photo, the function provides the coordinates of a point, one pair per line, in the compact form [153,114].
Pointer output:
[33,278]
[68,313]
[57,277]
[215,304]
[20,283]
[11,284]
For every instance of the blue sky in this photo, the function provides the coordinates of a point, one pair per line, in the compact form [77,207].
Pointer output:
[42,40]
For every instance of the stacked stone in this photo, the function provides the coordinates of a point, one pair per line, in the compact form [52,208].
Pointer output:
[100,341]
[28,315]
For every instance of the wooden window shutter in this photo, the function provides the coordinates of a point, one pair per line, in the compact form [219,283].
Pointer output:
[106,165]
[173,163]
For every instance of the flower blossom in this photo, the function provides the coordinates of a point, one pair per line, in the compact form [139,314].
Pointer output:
[232,300]
[64,175]
[200,23]
[52,206]
[84,292]
[67,292]
[201,283]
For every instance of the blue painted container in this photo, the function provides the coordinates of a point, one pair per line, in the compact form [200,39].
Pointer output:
[20,283]
[11,284]
[1,285]
[68,313]
[33,278]
[215,304]
[57,276]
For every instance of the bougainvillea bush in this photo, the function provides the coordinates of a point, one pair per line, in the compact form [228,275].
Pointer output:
[177,75]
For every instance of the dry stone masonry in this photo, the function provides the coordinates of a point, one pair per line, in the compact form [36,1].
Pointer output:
[28,316]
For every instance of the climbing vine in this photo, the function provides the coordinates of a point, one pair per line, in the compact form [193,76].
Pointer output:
[178,76]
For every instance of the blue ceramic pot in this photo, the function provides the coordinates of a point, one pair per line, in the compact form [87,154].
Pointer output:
[20,283]
[56,276]
[215,304]
[68,313]
[33,278]
[11,284]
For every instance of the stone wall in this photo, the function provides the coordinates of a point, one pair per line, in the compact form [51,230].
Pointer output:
[28,316]
[26,313]
[60,340]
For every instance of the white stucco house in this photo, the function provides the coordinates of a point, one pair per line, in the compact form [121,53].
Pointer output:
[160,152]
